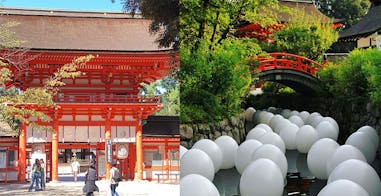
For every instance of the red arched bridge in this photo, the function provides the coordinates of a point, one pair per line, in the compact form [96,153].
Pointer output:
[297,72]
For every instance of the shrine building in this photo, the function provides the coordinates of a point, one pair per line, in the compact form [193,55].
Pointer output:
[100,114]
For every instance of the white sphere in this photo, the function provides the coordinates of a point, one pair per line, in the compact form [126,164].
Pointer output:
[333,122]
[359,172]
[229,148]
[310,118]
[343,187]
[261,177]
[341,154]
[256,116]
[275,121]
[288,135]
[273,138]
[285,113]
[272,109]
[244,154]
[294,113]
[269,151]
[318,156]
[249,114]
[305,138]
[194,184]
[280,125]
[196,161]
[296,120]
[265,127]
[372,133]
[326,130]
[255,133]
[304,115]
[213,151]
[316,120]
[265,117]
[361,141]
[183,150]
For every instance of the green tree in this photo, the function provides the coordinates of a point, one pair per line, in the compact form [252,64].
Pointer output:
[305,35]
[14,104]
[164,15]
[349,10]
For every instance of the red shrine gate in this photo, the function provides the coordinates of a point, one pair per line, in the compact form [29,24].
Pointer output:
[99,113]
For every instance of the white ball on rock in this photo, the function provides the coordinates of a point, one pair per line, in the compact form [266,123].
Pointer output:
[183,150]
[341,154]
[229,148]
[273,138]
[304,115]
[285,113]
[249,112]
[213,151]
[343,187]
[333,122]
[196,161]
[194,184]
[255,133]
[294,113]
[296,120]
[288,135]
[269,151]
[372,133]
[316,120]
[310,118]
[265,117]
[318,156]
[305,138]
[275,121]
[359,172]
[261,177]
[244,154]
[265,127]
[326,130]
[361,141]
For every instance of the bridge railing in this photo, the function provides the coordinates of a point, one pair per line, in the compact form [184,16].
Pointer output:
[283,60]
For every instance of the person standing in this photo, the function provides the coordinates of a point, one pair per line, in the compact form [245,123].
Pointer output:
[36,170]
[75,168]
[42,179]
[90,178]
[114,179]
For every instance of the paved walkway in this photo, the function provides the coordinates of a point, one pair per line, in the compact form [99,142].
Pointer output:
[125,188]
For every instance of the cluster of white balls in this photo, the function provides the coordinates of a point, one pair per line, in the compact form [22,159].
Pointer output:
[261,159]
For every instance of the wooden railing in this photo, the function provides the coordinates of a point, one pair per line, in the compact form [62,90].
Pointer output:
[83,98]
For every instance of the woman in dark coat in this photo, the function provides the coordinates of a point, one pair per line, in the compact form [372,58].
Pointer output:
[91,177]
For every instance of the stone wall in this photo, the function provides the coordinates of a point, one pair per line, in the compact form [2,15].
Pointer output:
[234,127]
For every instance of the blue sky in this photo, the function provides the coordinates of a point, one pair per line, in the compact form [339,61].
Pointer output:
[90,5]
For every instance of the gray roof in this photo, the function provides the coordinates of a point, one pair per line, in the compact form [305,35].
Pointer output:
[369,24]
[78,30]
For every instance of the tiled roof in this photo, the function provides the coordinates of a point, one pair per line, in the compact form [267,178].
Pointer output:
[77,30]
[369,24]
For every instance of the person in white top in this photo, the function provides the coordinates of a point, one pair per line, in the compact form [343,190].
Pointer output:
[75,168]
[114,174]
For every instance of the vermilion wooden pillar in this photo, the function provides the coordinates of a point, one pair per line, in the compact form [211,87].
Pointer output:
[139,151]
[55,151]
[166,163]
[22,153]
[107,137]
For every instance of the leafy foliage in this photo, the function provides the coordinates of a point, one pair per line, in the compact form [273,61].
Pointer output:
[357,78]
[164,15]
[304,35]
[214,82]
[349,10]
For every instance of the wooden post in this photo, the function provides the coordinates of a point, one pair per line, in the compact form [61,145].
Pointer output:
[55,150]
[22,153]
[139,151]
[166,163]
